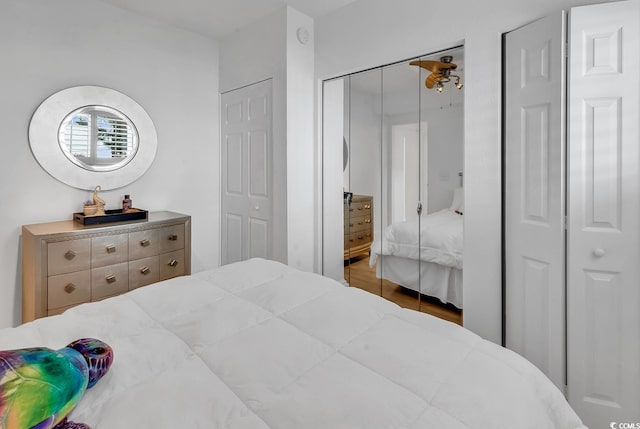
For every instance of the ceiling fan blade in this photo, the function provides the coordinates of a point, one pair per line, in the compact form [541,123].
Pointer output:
[431,80]
[433,66]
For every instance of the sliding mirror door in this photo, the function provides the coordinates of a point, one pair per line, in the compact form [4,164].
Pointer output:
[392,182]
[441,107]
[363,200]
[396,249]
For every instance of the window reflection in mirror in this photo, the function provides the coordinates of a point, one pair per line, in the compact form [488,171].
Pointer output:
[98,138]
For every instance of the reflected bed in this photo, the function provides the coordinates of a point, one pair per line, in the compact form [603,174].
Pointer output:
[435,267]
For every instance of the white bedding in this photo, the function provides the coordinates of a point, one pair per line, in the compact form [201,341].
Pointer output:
[260,345]
[437,281]
[440,240]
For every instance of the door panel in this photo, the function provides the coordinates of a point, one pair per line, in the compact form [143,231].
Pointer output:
[534,179]
[258,163]
[247,173]
[258,238]
[233,160]
[603,284]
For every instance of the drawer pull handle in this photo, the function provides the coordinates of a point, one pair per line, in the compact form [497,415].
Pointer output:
[360,237]
[69,288]
[111,248]
[367,206]
[360,208]
[173,237]
[145,242]
[145,270]
[360,223]
[351,239]
[367,221]
[70,255]
[173,263]
[350,209]
[110,278]
[350,224]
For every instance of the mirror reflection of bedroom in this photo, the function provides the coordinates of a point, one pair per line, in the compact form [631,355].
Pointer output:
[400,132]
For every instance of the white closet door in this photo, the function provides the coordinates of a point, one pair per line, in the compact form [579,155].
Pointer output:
[604,231]
[534,198]
[247,173]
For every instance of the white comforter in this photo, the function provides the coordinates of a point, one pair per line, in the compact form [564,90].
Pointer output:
[260,345]
[440,240]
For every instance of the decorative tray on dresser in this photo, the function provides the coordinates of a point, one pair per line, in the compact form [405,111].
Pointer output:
[65,263]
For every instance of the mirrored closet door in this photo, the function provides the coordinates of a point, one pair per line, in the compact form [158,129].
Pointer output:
[362,177]
[392,163]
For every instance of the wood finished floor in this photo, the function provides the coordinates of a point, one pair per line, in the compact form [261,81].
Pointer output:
[358,274]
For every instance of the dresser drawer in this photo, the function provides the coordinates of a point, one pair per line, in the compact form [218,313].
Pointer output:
[171,264]
[143,244]
[109,250]
[357,239]
[358,223]
[110,280]
[357,208]
[171,238]
[68,256]
[143,272]
[68,289]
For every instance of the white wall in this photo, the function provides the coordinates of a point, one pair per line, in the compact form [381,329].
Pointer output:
[267,49]
[301,163]
[47,46]
[251,55]
[369,33]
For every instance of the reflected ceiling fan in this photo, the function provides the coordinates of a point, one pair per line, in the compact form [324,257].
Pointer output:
[440,72]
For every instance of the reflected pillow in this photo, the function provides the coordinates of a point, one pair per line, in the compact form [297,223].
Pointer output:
[458,199]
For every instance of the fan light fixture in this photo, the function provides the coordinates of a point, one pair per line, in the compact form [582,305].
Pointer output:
[440,72]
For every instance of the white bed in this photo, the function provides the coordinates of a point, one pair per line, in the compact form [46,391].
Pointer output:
[435,267]
[257,344]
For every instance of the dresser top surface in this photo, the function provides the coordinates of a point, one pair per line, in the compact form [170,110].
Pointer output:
[358,198]
[70,225]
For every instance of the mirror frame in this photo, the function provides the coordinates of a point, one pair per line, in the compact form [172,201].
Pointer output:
[43,137]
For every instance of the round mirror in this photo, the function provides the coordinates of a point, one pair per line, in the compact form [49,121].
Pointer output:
[345,154]
[88,135]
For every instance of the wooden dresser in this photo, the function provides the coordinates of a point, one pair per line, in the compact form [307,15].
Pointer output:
[358,225]
[66,263]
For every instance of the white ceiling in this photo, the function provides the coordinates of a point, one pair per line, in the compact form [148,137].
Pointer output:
[217,18]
